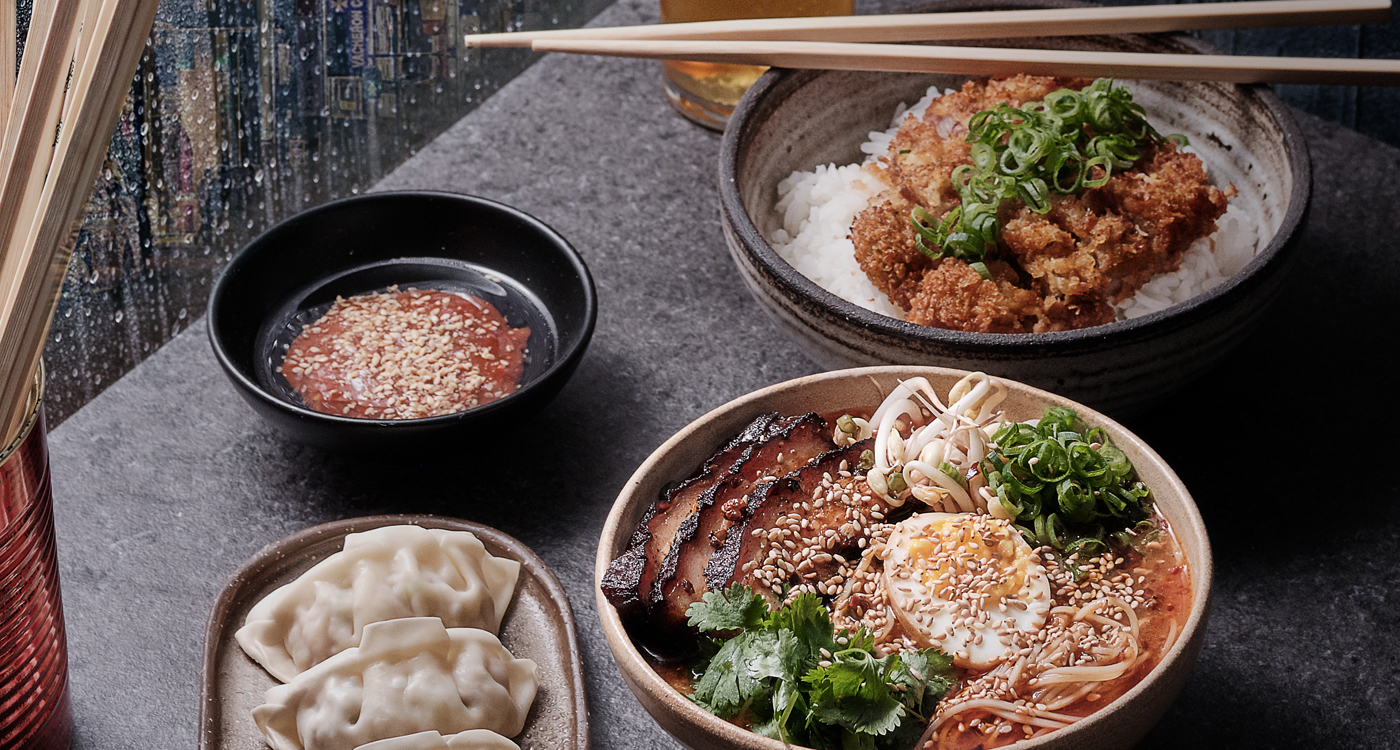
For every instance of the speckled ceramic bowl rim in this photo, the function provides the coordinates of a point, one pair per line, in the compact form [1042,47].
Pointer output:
[630,661]
[561,360]
[793,284]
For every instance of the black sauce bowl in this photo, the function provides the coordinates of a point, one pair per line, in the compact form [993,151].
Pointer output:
[292,272]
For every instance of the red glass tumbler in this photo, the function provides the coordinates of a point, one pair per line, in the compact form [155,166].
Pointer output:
[34,710]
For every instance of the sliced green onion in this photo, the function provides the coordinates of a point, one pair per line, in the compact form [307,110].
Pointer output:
[1076,501]
[1086,546]
[1057,419]
[1046,461]
[1049,531]
[1069,141]
[1066,485]
[952,473]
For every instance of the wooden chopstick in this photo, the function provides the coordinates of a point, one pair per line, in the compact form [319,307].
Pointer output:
[48,98]
[34,117]
[983,61]
[8,59]
[107,61]
[922,27]
[29,141]
[86,30]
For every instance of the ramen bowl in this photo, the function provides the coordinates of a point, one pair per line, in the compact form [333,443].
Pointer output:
[277,284]
[795,120]
[1119,724]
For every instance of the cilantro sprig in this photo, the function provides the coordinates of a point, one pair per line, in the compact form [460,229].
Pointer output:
[790,676]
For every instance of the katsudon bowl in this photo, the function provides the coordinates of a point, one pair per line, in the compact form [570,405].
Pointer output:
[796,120]
[1119,724]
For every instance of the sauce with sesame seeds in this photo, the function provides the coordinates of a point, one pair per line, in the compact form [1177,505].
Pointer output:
[405,355]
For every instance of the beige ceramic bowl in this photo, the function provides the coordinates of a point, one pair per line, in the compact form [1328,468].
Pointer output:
[799,119]
[1119,725]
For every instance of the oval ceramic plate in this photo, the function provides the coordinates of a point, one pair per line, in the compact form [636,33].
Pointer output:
[539,626]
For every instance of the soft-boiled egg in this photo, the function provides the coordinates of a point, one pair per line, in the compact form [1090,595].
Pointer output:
[967,584]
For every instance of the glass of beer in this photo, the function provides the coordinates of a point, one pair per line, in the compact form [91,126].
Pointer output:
[707,92]
[34,709]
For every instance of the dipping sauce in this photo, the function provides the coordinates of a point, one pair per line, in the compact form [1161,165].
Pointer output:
[405,355]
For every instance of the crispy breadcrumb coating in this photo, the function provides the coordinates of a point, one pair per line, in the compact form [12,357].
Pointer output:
[1053,272]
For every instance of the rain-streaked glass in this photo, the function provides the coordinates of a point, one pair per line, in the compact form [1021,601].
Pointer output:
[243,113]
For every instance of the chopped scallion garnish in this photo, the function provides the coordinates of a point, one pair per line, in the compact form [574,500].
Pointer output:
[1062,482]
[1070,141]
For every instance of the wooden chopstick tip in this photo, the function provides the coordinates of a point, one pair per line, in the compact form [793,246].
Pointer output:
[498,40]
[965,25]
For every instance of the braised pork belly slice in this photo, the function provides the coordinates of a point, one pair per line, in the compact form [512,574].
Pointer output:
[629,578]
[681,580]
[803,530]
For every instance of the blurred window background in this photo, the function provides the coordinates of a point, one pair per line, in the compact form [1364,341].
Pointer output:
[245,112]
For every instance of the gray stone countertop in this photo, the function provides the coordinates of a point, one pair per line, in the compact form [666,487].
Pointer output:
[167,482]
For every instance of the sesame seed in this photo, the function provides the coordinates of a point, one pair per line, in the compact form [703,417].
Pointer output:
[385,351]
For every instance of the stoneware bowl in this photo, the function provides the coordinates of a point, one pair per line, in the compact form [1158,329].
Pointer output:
[426,240]
[1118,725]
[797,119]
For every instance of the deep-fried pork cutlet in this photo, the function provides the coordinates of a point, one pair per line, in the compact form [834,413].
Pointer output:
[1049,272]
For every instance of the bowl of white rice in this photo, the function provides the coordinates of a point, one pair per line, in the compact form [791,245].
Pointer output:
[794,173]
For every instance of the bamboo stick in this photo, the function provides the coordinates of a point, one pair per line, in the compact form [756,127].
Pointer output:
[100,87]
[8,60]
[992,61]
[88,24]
[998,24]
[44,67]
[55,103]
[30,132]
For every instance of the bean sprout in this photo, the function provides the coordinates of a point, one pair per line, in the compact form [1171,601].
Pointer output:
[953,437]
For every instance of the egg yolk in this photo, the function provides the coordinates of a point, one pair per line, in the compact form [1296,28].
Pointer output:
[950,548]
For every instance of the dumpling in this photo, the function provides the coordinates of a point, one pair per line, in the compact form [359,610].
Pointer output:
[409,675]
[383,574]
[472,739]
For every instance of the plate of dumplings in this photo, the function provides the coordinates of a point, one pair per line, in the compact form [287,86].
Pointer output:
[398,632]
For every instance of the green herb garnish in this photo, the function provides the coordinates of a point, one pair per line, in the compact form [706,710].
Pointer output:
[867,460]
[794,679]
[1067,487]
[1070,141]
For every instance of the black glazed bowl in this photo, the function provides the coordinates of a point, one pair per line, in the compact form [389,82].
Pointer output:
[425,240]
[797,119]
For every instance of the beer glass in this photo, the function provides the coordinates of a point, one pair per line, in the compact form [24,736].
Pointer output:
[707,92]
[34,710]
